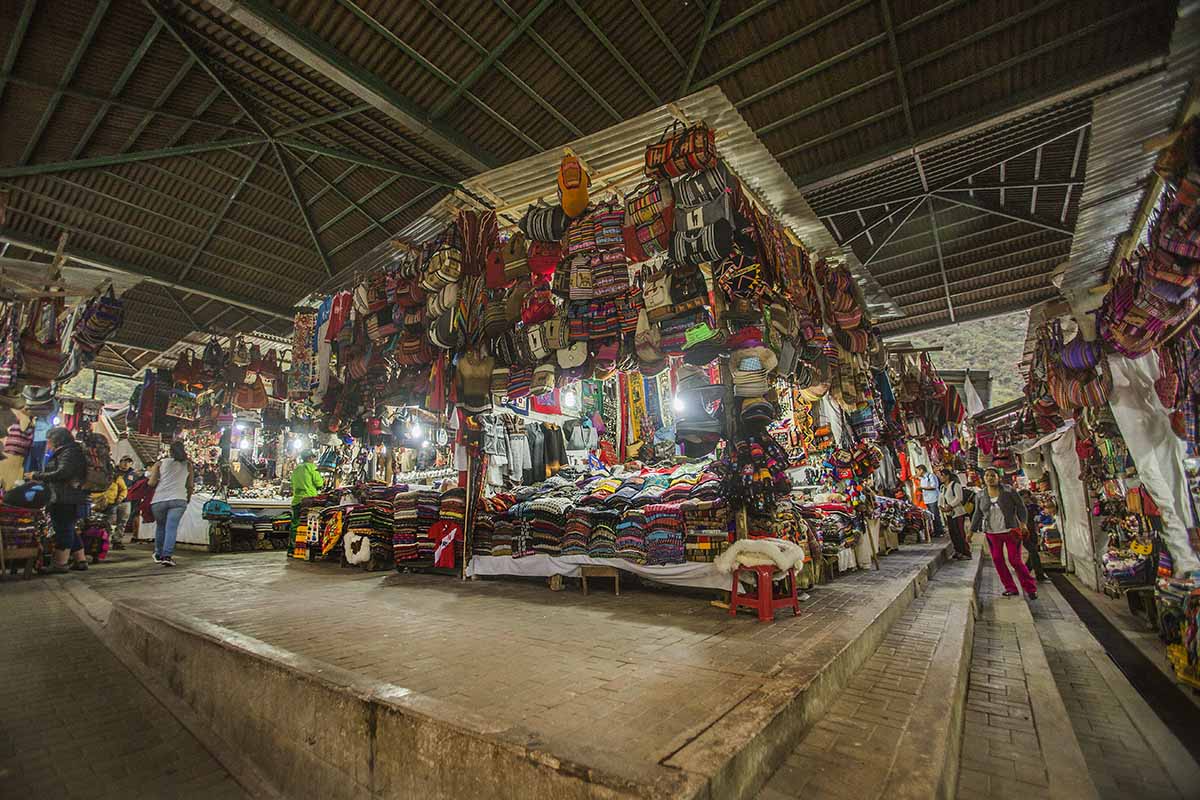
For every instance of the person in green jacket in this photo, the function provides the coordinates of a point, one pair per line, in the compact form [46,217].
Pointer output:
[306,482]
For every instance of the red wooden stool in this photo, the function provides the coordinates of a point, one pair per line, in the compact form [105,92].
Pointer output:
[764,599]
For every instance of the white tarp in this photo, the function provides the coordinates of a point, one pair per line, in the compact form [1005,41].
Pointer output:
[1156,450]
[974,401]
[696,574]
[1073,510]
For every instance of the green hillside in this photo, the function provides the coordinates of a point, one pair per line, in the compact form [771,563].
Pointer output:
[994,344]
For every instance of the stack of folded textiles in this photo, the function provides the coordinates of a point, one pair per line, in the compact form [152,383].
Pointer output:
[502,535]
[20,526]
[429,503]
[631,536]
[548,520]
[603,490]
[706,529]
[481,535]
[664,534]
[708,487]
[577,532]
[602,542]
[522,535]
[405,526]
[623,497]
[682,484]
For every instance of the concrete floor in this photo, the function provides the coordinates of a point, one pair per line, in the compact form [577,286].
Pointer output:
[620,683]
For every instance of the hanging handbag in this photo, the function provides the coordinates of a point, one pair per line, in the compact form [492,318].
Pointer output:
[709,244]
[182,404]
[443,268]
[251,396]
[681,150]
[542,258]
[41,352]
[701,188]
[543,223]
[513,252]
[691,218]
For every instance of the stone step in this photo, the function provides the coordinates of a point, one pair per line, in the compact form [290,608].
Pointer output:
[895,730]
[1019,741]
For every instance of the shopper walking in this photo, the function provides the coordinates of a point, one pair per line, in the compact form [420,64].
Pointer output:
[64,472]
[930,494]
[173,480]
[1001,515]
[1032,541]
[952,502]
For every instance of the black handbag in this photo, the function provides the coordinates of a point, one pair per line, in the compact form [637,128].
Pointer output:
[708,244]
[701,187]
[692,218]
[543,223]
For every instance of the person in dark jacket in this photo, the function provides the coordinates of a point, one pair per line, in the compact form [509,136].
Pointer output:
[1032,540]
[1001,515]
[63,476]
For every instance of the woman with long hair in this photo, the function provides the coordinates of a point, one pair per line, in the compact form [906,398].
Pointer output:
[953,504]
[173,480]
[63,476]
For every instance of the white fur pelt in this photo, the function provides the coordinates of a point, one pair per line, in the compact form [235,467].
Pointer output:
[761,552]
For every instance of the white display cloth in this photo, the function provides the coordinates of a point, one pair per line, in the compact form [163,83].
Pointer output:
[1157,451]
[696,574]
[193,527]
[1073,510]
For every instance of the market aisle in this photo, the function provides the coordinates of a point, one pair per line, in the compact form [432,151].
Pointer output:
[1128,749]
[1002,754]
[76,723]
[851,751]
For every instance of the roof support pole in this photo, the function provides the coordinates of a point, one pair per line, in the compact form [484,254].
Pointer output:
[937,242]
[346,198]
[127,158]
[267,21]
[482,67]
[892,233]
[98,12]
[983,205]
[308,223]
[20,239]
[614,52]
[709,18]
[220,215]
[174,30]
[14,44]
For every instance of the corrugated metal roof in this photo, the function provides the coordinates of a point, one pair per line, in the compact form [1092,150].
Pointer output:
[1118,168]
[815,79]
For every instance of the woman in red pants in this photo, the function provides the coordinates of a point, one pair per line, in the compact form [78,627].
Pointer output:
[1000,513]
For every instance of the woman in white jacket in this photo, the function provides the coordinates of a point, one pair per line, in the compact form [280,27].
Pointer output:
[952,502]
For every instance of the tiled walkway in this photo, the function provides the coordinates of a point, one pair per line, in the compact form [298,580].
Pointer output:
[1122,763]
[1001,752]
[75,723]
[620,683]
[850,752]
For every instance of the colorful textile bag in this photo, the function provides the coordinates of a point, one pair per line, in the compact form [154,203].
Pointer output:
[41,351]
[708,244]
[681,150]
[543,223]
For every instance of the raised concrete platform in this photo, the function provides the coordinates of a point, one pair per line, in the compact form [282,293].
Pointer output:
[346,684]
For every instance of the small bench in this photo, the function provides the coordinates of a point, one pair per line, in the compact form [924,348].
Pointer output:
[586,572]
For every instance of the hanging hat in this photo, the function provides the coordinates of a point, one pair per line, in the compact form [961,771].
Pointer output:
[757,412]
